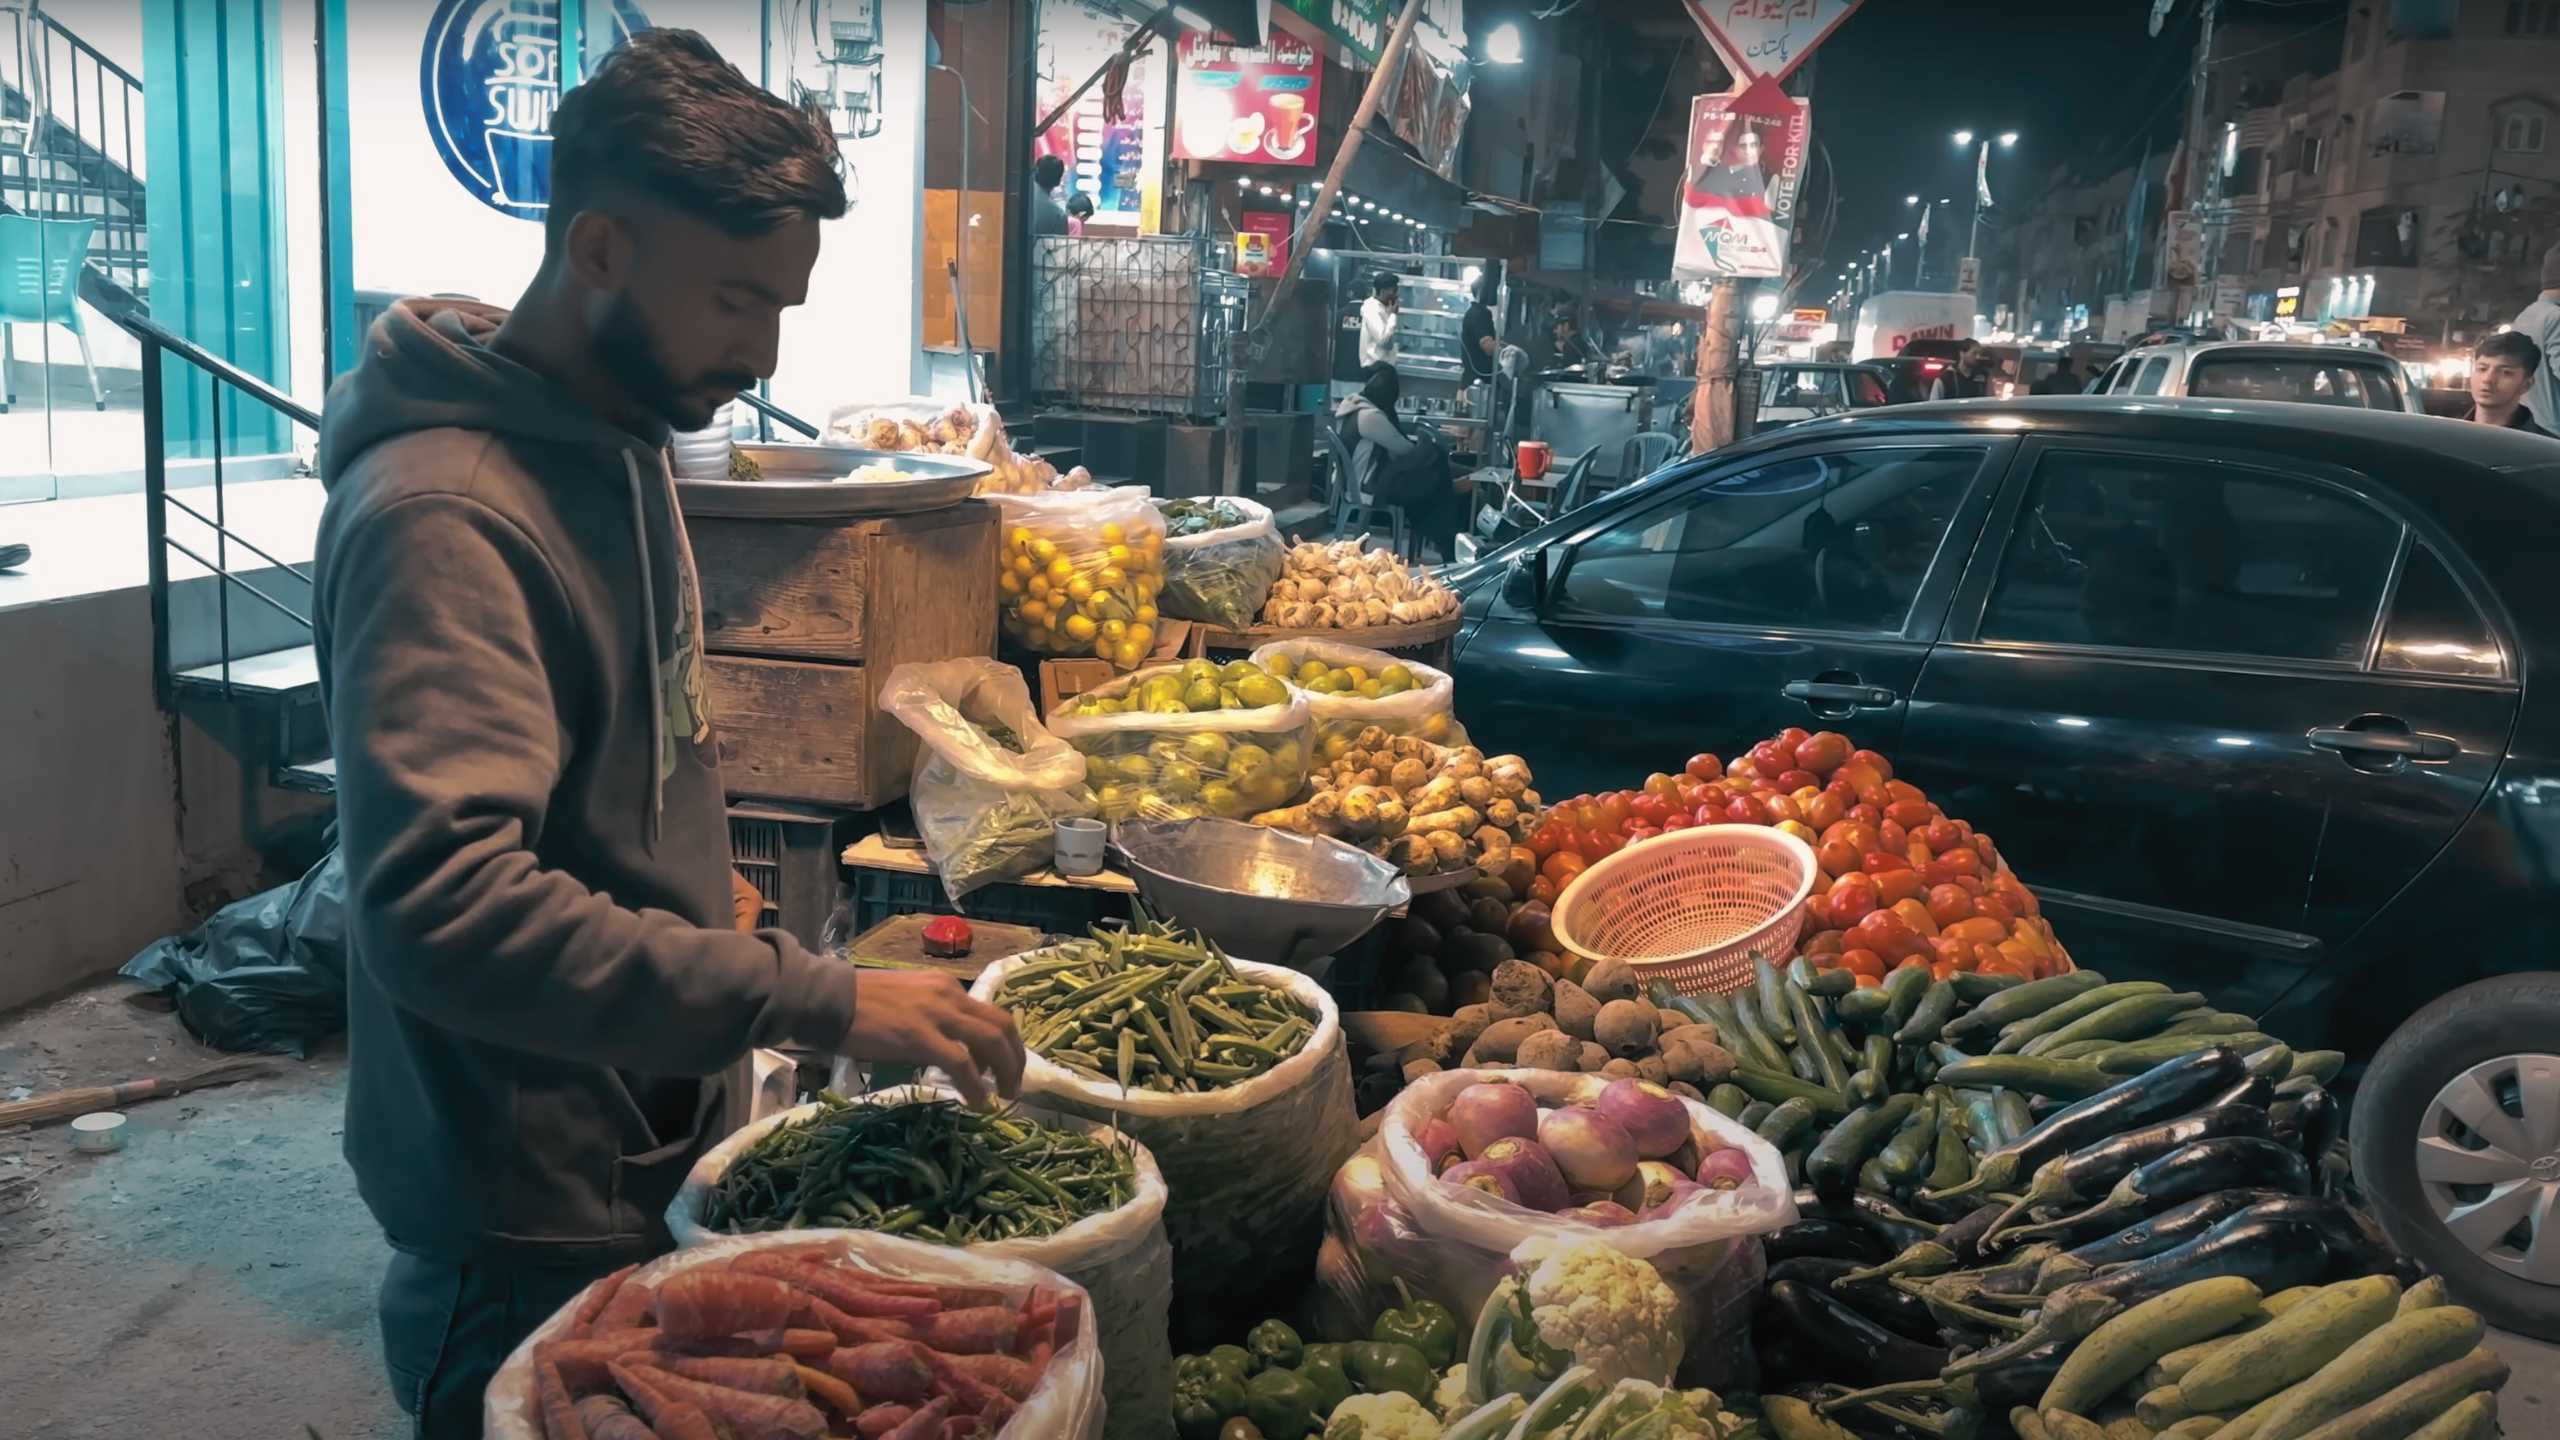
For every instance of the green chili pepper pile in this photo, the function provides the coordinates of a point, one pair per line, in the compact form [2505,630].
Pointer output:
[929,1169]
[1153,1008]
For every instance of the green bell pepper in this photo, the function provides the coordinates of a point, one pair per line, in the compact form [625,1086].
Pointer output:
[1324,1367]
[1426,1325]
[1378,1366]
[1235,1360]
[1282,1405]
[1205,1397]
[1274,1344]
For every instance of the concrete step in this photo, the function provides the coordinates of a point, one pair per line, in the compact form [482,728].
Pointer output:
[280,675]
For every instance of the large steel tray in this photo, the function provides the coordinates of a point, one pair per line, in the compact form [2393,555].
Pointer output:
[805,482]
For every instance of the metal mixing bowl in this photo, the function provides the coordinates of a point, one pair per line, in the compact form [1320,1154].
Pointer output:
[1259,893]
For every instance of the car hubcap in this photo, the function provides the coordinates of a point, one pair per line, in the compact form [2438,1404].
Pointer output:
[2488,1160]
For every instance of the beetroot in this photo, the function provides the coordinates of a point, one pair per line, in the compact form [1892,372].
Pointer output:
[1477,1175]
[1724,1170]
[1653,1117]
[1531,1170]
[1594,1151]
[1486,1112]
[1439,1141]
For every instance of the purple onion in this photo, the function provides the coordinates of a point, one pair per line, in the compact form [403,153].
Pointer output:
[1531,1171]
[1653,1117]
[1488,1111]
[1594,1151]
[1602,1213]
[1728,1169]
[1477,1175]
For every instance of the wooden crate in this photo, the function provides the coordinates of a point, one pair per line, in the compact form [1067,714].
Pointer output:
[802,623]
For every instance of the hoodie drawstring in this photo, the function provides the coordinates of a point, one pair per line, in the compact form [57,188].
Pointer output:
[657,676]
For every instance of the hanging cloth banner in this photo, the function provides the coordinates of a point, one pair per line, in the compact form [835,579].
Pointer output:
[1763,41]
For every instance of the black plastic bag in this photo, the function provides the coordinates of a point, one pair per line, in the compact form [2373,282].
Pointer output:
[267,974]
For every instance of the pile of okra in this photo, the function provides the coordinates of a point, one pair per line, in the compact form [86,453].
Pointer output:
[1153,1008]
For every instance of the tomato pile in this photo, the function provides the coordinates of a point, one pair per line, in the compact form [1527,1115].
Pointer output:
[1899,882]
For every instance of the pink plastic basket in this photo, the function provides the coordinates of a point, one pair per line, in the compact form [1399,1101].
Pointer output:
[1693,907]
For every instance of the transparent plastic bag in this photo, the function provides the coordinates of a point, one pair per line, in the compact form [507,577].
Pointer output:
[986,809]
[939,427]
[1067,1404]
[1428,708]
[1179,764]
[1223,576]
[1078,573]
[1391,1218]
[1246,1166]
[1120,1257]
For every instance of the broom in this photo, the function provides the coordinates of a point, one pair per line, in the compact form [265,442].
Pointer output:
[64,1104]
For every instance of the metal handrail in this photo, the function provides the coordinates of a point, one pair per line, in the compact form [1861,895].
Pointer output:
[118,304]
[777,414]
[85,48]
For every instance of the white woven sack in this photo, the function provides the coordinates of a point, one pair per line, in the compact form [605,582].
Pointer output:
[1066,1405]
[1120,1257]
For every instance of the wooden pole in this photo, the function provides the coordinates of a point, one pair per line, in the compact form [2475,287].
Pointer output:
[1711,415]
[1245,351]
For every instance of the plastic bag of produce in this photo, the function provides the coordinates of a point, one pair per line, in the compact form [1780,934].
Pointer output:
[990,782]
[1079,572]
[1066,1401]
[1221,554]
[1172,742]
[1120,1256]
[1391,1217]
[1349,687]
[1245,1166]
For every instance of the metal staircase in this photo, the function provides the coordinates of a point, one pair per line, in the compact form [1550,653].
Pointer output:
[71,144]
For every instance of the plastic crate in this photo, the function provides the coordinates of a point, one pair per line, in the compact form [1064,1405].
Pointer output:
[789,855]
[1052,909]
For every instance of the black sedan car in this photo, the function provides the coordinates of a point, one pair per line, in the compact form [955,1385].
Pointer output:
[2242,688]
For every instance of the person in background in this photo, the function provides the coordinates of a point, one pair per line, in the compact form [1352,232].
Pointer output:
[2502,374]
[1048,217]
[544,981]
[1079,210]
[1967,379]
[2066,379]
[1477,343]
[1398,467]
[1380,318]
[2539,322]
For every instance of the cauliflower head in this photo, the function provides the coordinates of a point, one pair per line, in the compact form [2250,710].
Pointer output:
[1610,1310]
[1449,1398]
[1393,1415]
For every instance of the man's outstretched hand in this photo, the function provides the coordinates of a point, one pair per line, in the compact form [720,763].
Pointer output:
[908,1017]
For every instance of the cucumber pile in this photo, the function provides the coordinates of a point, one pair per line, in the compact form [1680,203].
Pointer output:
[2068,1209]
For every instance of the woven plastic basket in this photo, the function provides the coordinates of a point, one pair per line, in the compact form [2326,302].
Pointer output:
[1694,907]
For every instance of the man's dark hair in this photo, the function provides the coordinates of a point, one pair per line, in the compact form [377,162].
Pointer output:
[1047,171]
[664,117]
[2510,345]
[1379,385]
[1382,283]
[1080,205]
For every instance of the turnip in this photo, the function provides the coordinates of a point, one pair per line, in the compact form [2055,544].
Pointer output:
[1439,1142]
[1531,1171]
[1603,1213]
[1728,1169]
[1594,1151]
[1651,1185]
[1486,1112]
[1477,1175]
[1652,1116]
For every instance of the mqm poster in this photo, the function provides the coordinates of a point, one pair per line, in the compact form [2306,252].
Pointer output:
[1738,200]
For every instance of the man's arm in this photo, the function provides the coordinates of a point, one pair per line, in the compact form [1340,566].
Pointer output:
[449,638]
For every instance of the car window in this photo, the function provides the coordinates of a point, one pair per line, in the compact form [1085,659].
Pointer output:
[1814,390]
[1865,390]
[2153,553]
[1828,542]
[2155,374]
[2434,628]
[2303,380]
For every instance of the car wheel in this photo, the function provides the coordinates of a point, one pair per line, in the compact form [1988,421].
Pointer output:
[2456,1141]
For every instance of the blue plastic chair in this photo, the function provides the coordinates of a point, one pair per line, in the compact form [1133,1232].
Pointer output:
[40,264]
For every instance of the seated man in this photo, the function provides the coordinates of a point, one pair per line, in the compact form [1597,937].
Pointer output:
[1394,466]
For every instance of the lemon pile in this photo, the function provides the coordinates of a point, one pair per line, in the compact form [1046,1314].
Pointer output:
[1067,599]
[1206,772]
[1335,724]
[1189,689]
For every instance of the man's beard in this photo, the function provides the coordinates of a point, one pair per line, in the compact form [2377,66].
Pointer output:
[625,350]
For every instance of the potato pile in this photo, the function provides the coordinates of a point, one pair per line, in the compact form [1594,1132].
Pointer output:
[1428,809]
[1604,1026]
[1344,586]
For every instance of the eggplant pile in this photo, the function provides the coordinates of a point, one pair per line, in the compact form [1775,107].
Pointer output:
[2168,1208]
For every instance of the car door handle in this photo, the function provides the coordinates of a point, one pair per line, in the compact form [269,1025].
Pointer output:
[2420,746]
[1826,692]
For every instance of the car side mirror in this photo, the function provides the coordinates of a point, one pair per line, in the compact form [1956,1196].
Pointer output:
[1525,588]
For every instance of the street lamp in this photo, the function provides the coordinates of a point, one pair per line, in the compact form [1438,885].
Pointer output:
[1964,137]
[1764,308]
[1910,199]
[2008,138]
[1502,47]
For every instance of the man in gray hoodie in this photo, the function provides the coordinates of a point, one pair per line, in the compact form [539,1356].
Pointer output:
[543,970]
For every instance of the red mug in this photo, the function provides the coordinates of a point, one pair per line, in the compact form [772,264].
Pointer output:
[1533,458]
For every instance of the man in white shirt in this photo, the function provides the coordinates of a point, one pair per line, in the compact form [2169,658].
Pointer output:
[2539,322]
[1379,319]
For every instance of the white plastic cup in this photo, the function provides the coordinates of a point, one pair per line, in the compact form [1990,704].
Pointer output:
[1079,846]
